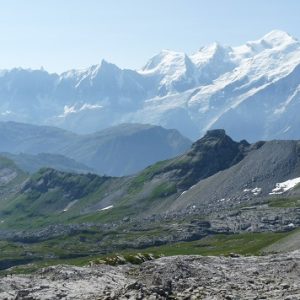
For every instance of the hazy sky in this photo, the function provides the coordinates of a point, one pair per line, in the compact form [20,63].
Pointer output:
[65,34]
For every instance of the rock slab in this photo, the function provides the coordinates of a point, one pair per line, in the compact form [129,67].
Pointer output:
[177,277]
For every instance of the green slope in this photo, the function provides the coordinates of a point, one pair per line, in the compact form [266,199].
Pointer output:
[51,196]
[11,178]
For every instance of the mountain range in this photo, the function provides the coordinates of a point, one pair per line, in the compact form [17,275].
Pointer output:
[217,197]
[121,150]
[105,167]
[216,173]
[255,85]
[32,163]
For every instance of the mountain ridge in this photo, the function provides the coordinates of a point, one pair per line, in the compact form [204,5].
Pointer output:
[212,88]
[219,197]
[215,168]
[119,150]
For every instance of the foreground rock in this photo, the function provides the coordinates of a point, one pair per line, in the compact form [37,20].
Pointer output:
[179,277]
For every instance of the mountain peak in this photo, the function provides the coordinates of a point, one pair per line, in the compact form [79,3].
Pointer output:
[275,39]
[278,37]
[107,65]
[104,63]
[104,67]
[213,47]
[215,133]
[206,53]
[278,34]
[164,60]
[212,153]
[213,139]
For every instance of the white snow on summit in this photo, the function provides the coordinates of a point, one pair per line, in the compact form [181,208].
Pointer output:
[251,90]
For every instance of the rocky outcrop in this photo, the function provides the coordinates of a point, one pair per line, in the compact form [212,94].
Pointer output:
[214,152]
[178,277]
[252,178]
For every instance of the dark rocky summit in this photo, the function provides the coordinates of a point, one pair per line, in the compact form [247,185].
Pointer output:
[214,152]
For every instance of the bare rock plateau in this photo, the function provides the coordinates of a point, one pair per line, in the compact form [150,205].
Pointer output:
[177,277]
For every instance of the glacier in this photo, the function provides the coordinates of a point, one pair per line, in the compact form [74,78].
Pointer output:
[252,91]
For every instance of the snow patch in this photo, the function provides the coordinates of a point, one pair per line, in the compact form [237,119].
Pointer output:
[7,112]
[255,191]
[193,186]
[75,109]
[69,206]
[285,186]
[106,208]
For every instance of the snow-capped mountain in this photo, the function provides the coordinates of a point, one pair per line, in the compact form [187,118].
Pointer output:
[252,91]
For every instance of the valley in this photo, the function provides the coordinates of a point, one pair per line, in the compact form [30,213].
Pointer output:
[150,150]
[183,205]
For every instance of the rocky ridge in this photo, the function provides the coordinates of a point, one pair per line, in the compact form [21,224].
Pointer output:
[178,277]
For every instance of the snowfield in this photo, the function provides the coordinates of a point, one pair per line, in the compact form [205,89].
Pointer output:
[255,85]
[283,187]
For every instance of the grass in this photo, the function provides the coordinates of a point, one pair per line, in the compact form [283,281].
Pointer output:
[245,244]
[297,187]
[146,175]
[116,213]
[284,202]
[290,242]
[7,163]
[163,190]
[7,188]
[81,249]
[132,258]
[43,205]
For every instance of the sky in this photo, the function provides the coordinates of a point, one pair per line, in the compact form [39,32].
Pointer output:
[59,35]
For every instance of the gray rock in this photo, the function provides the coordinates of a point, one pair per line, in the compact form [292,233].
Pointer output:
[180,277]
